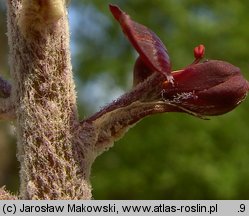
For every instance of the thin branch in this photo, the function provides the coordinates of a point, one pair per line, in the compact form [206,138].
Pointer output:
[114,120]
[147,91]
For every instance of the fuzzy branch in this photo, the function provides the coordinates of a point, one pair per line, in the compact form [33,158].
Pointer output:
[114,120]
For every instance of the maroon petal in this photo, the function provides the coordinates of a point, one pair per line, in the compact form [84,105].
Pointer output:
[141,71]
[210,88]
[152,51]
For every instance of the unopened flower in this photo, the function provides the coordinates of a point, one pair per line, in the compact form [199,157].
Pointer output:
[199,53]
[206,89]
[202,89]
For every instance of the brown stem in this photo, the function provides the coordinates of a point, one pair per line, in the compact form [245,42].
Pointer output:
[115,124]
[149,90]
[113,121]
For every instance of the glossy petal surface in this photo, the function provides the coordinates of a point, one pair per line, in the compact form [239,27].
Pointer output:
[149,46]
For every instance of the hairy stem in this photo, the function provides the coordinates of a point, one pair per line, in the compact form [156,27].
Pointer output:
[44,95]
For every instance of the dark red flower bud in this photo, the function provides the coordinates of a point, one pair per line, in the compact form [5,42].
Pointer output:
[206,89]
[152,52]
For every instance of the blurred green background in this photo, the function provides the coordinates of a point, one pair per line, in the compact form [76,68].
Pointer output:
[166,156]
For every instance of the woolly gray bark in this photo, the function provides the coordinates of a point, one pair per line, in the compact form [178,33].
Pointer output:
[44,97]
